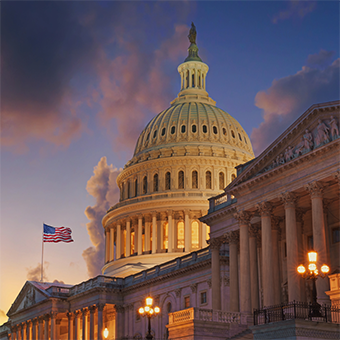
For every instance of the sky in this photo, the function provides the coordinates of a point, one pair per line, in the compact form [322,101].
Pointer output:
[80,80]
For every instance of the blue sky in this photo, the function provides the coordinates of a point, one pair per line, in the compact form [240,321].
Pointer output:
[80,80]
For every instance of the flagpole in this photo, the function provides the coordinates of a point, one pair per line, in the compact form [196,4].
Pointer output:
[42,255]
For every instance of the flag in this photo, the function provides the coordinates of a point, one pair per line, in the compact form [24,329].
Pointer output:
[57,234]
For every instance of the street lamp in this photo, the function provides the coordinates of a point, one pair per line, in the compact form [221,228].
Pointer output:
[312,274]
[106,333]
[149,311]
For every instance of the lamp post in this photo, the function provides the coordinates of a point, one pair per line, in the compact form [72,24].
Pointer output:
[312,274]
[149,311]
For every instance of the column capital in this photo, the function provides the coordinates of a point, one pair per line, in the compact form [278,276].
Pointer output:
[170,213]
[243,217]
[85,311]
[41,318]
[264,208]
[119,309]
[193,287]
[70,315]
[275,223]
[35,321]
[100,306]
[288,199]
[92,309]
[233,237]
[163,216]
[186,211]
[215,243]
[315,189]
[47,317]
[140,216]
[77,313]
[148,218]
[154,214]
[253,230]
[178,292]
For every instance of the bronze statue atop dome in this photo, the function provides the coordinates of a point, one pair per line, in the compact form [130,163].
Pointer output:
[192,34]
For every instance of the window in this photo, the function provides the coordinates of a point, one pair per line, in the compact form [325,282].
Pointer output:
[180,235]
[224,130]
[208,180]
[167,180]
[169,307]
[221,180]
[204,128]
[155,134]
[193,80]
[128,189]
[163,131]
[215,130]
[309,242]
[194,235]
[194,179]
[239,136]
[199,79]
[145,185]
[181,180]
[136,187]
[186,301]
[155,182]
[245,139]
[193,128]
[122,192]
[165,235]
[187,79]
[183,128]
[203,298]
[173,129]
[232,133]
[147,138]
[335,235]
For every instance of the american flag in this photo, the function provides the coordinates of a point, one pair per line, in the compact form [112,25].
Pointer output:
[57,234]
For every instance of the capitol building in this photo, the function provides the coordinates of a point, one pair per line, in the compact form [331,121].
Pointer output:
[210,232]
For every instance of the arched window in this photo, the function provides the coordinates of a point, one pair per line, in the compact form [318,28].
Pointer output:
[232,133]
[173,129]
[205,129]
[167,181]
[165,235]
[187,79]
[155,134]
[155,182]
[239,136]
[193,128]
[245,139]
[181,180]
[183,128]
[136,187]
[169,307]
[194,235]
[221,180]
[193,80]
[194,179]
[128,189]
[224,131]
[163,131]
[233,177]
[180,235]
[145,185]
[208,180]
[122,192]
[215,130]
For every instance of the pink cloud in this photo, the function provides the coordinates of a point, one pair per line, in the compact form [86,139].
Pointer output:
[295,9]
[289,97]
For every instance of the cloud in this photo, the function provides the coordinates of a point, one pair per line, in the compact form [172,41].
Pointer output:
[102,186]
[296,9]
[289,97]
[34,274]
[60,59]
[321,59]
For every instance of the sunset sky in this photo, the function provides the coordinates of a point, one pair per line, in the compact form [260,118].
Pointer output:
[80,80]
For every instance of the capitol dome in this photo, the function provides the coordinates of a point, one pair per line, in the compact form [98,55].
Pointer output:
[185,155]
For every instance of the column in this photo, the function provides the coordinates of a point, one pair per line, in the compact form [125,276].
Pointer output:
[187,232]
[84,332]
[14,331]
[100,307]
[289,201]
[243,218]
[119,327]
[70,317]
[154,232]
[92,312]
[118,241]
[53,325]
[128,237]
[265,209]
[140,234]
[135,227]
[170,232]
[254,279]
[34,329]
[107,245]
[276,265]
[233,238]
[47,319]
[319,237]
[215,244]
[22,332]
[147,235]
[163,216]
[301,249]
[112,237]
[40,327]
[26,330]
[196,80]
[78,314]
[57,328]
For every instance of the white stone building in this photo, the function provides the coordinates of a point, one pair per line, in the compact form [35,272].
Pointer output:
[179,187]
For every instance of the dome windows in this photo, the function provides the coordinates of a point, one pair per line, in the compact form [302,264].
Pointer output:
[163,131]
[193,128]
[221,180]
[183,128]
[173,129]
[239,136]
[232,133]
[181,180]
[215,130]
[224,130]
[155,134]
[167,181]
[136,187]
[145,185]
[155,182]
[245,139]
[208,180]
[147,137]
[194,179]
[205,129]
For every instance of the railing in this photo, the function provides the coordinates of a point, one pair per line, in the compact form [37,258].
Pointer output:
[297,310]
[204,314]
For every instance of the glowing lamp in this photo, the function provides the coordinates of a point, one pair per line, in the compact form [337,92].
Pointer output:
[301,269]
[157,310]
[149,301]
[312,267]
[151,311]
[106,333]
[312,256]
[141,310]
[325,269]
[147,308]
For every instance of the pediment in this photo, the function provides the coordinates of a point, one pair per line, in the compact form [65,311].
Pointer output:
[28,296]
[318,126]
